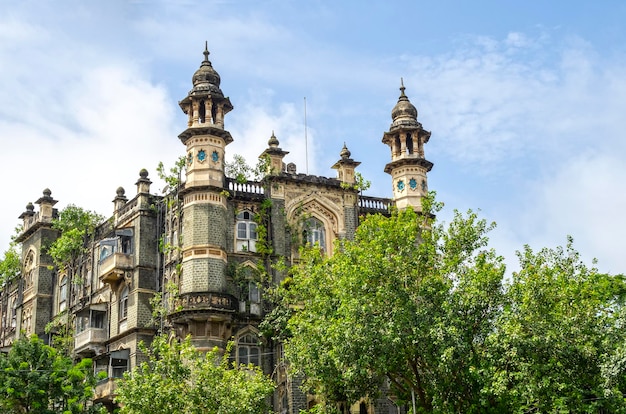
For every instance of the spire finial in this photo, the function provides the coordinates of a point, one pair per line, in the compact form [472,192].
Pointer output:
[273,141]
[206,51]
[345,152]
[402,88]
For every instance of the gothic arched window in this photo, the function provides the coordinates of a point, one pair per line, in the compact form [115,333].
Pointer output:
[29,269]
[315,233]
[249,350]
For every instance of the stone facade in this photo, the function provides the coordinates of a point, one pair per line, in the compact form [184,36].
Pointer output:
[200,247]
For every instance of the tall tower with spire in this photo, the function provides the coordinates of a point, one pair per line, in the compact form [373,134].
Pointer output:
[205,136]
[204,309]
[408,167]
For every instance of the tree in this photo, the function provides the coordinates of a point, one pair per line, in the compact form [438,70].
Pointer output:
[35,378]
[76,225]
[178,378]
[559,342]
[10,266]
[409,301]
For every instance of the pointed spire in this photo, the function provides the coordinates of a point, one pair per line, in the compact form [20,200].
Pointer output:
[345,153]
[402,88]
[206,52]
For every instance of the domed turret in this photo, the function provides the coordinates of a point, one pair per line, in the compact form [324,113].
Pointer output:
[404,113]
[205,105]
[206,79]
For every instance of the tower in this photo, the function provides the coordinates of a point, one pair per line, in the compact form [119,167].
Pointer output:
[408,167]
[204,309]
[205,137]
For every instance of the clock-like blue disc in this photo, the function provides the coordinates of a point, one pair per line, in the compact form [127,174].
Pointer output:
[201,155]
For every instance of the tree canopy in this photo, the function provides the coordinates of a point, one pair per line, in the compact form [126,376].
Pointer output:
[179,379]
[74,224]
[424,309]
[36,379]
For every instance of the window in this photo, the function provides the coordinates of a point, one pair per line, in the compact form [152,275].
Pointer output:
[82,322]
[253,292]
[409,144]
[201,112]
[119,362]
[248,350]
[123,308]
[63,294]
[314,233]
[29,268]
[246,232]
[97,319]
[27,319]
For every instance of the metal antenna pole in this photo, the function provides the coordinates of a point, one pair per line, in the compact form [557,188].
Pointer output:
[306,143]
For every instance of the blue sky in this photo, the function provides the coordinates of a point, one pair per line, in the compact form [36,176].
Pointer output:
[525,101]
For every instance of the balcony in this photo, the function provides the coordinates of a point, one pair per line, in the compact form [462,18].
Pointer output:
[202,302]
[104,390]
[90,341]
[112,267]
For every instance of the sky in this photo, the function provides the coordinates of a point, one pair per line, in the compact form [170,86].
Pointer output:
[526,101]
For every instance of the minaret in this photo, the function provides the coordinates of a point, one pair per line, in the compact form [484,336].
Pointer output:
[204,307]
[205,137]
[408,167]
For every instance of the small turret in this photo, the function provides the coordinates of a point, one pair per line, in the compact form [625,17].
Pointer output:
[345,166]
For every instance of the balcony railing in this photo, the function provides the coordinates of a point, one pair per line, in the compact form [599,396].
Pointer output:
[90,338]
[105,389]
[112,268]
[204,301]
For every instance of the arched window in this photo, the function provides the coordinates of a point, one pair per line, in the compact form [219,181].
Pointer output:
[409,144]
[314,233]
[246,232]
[397,146]
[27,320]
[63,294]
[29,269]
[123,308]
[248,350]
[201,112]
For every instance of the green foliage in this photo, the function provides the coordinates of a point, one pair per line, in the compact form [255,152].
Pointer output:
[263,243]
[560,339]
[388,306]
[36,379]
[173,176]
[423,306]
[241,171]
[10,266]
[179,379]
[76,225]
[238,169]
[360,185]
[62,330]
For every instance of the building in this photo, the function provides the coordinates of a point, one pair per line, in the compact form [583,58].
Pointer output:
[200,248]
